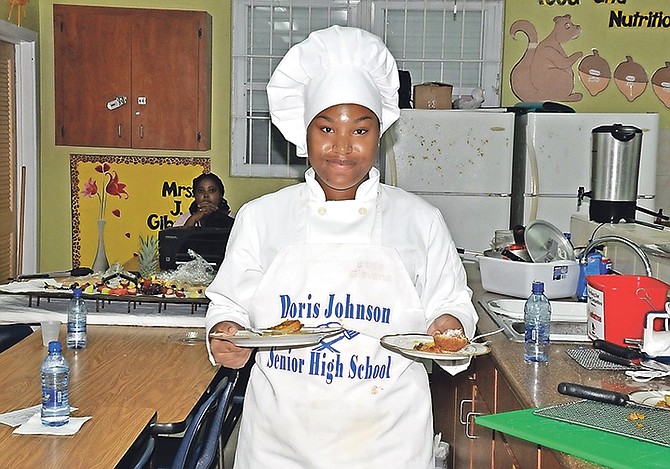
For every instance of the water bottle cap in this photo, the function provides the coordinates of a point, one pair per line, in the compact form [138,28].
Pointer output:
[538,288]
[55,346]
[76,292]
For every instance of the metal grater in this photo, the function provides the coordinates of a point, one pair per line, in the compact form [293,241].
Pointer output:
[588,358]
[612,418]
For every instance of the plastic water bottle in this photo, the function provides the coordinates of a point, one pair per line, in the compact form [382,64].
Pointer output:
[76,321]
[537,317]
[55,382]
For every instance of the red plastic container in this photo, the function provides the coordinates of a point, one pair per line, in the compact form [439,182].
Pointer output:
[617,305]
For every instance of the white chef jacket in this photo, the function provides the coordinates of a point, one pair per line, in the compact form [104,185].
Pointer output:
[415,229]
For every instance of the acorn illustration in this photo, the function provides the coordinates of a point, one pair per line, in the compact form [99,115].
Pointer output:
[660,83]
[594,72]
[630,78]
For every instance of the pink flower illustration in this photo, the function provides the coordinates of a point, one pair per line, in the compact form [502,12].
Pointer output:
[110,180]
[90,188]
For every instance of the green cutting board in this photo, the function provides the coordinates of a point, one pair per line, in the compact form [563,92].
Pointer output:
[607,449]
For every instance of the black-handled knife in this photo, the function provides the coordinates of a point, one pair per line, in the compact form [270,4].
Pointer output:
[646,364]
[600,395]
[594,394]
[608,357]
[78,272]
[617,350]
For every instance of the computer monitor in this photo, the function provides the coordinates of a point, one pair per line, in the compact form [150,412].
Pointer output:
[208,242]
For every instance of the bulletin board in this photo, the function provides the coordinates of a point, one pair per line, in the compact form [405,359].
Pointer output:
[595,55]
[134,195]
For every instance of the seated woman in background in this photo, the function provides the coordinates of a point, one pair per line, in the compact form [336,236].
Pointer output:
[209,207]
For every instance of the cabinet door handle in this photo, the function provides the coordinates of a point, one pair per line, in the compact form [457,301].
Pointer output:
[461,413]
[470,418]
[141,131]
[118,130]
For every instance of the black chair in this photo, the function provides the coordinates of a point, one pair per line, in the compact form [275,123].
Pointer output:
[234,414]
[236,406]
[139,455]
[146,452]
[11,334]
[199,446]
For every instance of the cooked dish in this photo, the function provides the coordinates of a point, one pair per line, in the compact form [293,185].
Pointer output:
[451,340]
[289,326]
[665,402]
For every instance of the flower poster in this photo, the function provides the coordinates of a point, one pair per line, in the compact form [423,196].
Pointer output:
[117,199]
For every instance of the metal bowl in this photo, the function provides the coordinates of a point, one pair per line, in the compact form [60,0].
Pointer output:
[546,243]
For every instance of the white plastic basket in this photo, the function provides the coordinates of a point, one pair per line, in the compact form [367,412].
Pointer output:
[515,278]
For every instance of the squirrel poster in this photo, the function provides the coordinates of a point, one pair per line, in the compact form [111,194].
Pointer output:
[544,72]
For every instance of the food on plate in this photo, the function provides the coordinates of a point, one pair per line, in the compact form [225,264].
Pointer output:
[289,326]
[123,287]
[429,347]
[451,340]
[665,402]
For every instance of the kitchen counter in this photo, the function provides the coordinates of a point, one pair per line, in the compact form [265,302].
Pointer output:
[535,385]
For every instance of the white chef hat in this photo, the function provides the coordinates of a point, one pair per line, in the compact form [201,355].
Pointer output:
[337,65]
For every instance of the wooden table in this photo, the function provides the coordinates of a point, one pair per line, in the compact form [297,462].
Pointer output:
[127,378]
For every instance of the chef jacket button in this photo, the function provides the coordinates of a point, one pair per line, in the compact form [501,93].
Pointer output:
[322,210]
[362,210]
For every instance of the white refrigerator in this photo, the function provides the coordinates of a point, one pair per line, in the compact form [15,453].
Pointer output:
[491,169]
[461,162]
[552,160]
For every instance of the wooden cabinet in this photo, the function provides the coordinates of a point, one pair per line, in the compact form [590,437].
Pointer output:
[525,453]
[486,379]
[455,405]
[482,389]
[156,62]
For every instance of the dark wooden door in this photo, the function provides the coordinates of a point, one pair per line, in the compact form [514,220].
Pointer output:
[167,48]
[158,61]
[92,66]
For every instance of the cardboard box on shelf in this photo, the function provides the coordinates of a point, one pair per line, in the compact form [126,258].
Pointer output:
[432,95]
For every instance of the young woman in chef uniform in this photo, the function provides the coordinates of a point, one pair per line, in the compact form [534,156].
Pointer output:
[340,248]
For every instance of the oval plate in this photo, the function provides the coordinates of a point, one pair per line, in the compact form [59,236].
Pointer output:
[404,344]
[649,397]
[304,337]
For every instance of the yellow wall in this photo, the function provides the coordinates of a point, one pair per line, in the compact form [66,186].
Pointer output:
[29,14]
[647,46]
[55,230]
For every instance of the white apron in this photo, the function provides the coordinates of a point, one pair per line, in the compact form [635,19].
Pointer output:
[346,402]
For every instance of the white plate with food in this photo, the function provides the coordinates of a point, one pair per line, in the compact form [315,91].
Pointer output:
[656,398]
[423,346]
[277,338]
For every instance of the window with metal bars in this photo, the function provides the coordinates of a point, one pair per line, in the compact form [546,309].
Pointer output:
[451,41]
